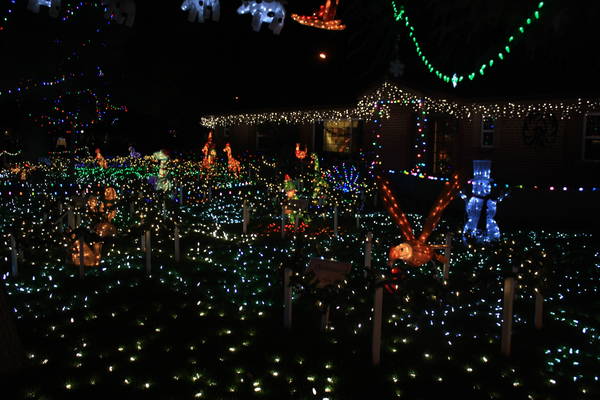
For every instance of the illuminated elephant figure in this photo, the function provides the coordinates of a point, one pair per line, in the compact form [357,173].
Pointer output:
[268,11]
[482,189]
[53,6]
[416,251]
[122,11]
[202,9]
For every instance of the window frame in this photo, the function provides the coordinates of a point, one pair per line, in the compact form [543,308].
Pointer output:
[482,131]
[584,137]
[354,132]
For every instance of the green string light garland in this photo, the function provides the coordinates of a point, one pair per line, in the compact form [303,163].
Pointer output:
[401,16]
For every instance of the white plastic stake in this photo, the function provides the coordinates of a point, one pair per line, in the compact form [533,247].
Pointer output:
[61,221]
[71,219]
[335,221]
[325,318]
[245,216]
[287,299]
[177,252]
[13,257]
[539,310]
[507,318]
[448,253]
[81,257]
[376,339]
[180,196]
[148,253]
[282,222]
[368,249]
[357,220]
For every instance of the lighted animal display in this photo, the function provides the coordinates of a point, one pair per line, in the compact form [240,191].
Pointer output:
[265,11]
[121,11]
[53,6]
[133,153]
[100,160]
[300,154]
[209,153]
[163,182]
[481,206]
[202,10]
[416,251]
[322,19]
[103,209]
[233,165]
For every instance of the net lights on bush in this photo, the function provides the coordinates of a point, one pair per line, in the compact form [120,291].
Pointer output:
[500,54]
[269,12]
[322,19]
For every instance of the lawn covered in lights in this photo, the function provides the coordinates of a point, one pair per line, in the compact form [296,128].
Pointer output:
[211,325]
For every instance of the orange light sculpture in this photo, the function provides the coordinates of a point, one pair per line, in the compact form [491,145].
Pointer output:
[91,254]
[416,251]
[208,152]
[301,154]
[233,165]
[100,160]
[322,19]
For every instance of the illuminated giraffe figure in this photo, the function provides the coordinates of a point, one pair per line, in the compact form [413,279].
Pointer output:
[416,251]
[100,160]
[232,164]
[209,153]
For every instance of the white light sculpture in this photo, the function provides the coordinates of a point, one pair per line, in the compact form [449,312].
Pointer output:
[202,10]
[53,6]
[121,11]
[482,189]
[264,11]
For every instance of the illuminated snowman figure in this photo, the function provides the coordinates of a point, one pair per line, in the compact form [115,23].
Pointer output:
[202,9]
[480,205]
[270,12]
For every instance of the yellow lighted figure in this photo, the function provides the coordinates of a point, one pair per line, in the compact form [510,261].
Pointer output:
[233,165]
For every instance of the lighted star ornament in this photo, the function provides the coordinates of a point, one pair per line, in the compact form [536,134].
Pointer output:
[322,19]
[268,11]
[416,251]
[201,10]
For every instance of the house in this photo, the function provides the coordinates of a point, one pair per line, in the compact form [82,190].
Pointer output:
[531,142]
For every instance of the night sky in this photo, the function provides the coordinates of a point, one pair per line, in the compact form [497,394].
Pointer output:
[176,71]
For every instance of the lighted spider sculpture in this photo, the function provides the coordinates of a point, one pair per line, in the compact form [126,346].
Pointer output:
[415,251]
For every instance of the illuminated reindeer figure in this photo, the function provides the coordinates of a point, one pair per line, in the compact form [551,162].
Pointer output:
[232,164]
[53,6]
[416,251]
[271,12]
[100,160]
[202,9]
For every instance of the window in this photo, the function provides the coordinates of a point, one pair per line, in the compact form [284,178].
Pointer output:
[337,135]
[488,127]
[591,137]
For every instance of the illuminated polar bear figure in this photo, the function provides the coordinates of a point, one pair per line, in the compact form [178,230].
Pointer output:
[202,9]
[53,6]
[122,11]
[482,189]
[271,12]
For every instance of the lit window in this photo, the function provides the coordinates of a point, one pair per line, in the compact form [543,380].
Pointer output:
[337,135]
[488,127]
[591,137]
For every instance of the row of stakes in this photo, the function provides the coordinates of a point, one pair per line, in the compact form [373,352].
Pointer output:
[146,245]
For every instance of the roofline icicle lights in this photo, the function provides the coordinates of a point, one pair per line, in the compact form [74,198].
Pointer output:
[388,93]
[455,79]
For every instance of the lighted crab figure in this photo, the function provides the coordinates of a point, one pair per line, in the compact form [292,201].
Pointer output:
[416,251]
[322,19]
